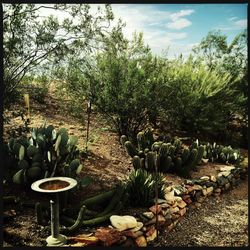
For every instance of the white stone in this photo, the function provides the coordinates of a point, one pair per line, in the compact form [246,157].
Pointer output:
[149,215]
[227,168]
[197,187]
[168,189]
[138,227]
[182,204]
[204,160]
[213,178]
[174,210]
[122,223]
[209,190]
[205,178]
[178,198]
[177,191]
[169,196]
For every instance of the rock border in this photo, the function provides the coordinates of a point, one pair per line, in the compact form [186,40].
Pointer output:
[178,200]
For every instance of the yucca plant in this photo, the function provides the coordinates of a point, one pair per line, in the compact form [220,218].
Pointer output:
[140,187]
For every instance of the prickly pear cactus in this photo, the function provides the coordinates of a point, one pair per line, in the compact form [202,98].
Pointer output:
[46,153]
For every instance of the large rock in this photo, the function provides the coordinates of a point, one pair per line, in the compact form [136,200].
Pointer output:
[151,233]
[141,241]
[160,201]
[83,240]
[227,168]
[149,215]
[161,220]
[210,190]
[174,210]
[131,234]
[179,190]
[213,178]
[108,236]
[197,187]
[155,209]
[175,216]
[122,223]
[169,197]
[138,227]
[165,206]
[182,204]
[182,211]
[206,178]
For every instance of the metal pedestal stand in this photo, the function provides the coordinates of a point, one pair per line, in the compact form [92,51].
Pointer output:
[55,239]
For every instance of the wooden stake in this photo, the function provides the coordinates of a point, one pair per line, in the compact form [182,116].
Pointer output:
[88,123]
[156,195]
[27,106]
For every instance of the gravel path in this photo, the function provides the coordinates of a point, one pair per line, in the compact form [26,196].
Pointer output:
[219,221]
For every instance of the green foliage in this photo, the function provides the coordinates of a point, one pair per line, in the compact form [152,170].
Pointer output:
[37,87]
[141,187]
[216,52]
[169,157]
[122,85]
[223,154]
[46,153]
[196,92]
[32,40]
[173,157]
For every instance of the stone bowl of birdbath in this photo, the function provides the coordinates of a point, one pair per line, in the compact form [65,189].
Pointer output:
[54,186]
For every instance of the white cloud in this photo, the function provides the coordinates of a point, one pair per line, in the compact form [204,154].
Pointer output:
[233,18]
[179,24]
[154,24]
[241,23]
[234,25]
[181,13]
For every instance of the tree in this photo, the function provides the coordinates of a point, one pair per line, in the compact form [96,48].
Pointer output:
[30,39]
[120,83]
[199,100]
[215,52]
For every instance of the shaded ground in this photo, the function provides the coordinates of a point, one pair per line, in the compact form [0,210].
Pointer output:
[219,221]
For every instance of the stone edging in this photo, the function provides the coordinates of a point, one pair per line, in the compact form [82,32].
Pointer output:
[178,199]
[189,194]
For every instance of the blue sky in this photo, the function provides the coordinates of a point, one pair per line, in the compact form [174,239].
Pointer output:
[178,27]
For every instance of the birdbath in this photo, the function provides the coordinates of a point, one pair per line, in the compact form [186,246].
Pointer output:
[54,185]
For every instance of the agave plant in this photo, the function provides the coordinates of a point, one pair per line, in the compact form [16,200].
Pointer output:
[140,187]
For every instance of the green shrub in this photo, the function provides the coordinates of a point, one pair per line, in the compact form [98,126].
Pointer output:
[201,99]
[141,187]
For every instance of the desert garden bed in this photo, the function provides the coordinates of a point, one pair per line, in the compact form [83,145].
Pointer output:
[108,164]
[21,228]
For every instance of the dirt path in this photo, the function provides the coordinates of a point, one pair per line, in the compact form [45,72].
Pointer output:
[218,222]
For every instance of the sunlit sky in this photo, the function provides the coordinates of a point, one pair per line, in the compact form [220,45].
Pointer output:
[176,27]
[180,26]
